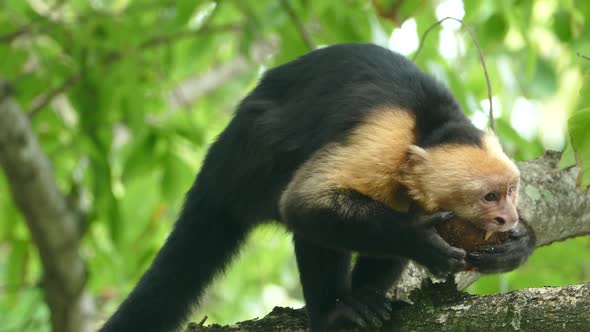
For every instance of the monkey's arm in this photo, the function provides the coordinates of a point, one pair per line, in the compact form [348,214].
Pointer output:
[507,255]
[347,220]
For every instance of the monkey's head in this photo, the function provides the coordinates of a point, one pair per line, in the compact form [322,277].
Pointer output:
[478,183]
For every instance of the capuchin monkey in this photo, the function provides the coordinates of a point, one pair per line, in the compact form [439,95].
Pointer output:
[333,145]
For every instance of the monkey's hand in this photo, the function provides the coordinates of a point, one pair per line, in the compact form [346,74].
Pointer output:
[428,248]
[504,256]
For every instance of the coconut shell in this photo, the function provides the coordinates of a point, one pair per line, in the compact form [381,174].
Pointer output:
[463,234]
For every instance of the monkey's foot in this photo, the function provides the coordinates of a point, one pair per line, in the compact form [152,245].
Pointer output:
[366,308]
[375,300]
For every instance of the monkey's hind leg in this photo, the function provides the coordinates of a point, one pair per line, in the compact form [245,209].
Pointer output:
[371,280]
[325,278]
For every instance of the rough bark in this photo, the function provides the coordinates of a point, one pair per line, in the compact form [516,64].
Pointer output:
[441,308]
[54,227]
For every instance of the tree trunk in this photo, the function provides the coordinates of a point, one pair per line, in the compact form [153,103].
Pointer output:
[54,226]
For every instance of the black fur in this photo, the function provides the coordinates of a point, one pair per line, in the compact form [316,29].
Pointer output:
[295,110]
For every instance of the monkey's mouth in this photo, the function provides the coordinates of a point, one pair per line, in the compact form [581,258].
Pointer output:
[491,228]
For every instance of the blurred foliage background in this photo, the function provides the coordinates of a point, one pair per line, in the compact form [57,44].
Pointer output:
[126,95]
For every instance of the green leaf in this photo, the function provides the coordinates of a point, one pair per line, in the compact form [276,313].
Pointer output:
[494,29]
[562,25]
[568,158]
[140,159]
[185,10]
[578,124]
[20,8]
[584,100]
[176,177]
[17,263]
[12,61]
[518,147]
[409,9]
[545,80]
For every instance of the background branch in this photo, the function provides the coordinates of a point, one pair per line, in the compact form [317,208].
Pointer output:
[54,227]
[191,89]
[307,39]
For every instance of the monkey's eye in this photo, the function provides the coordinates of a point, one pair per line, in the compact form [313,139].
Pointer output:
[510,190]
[491,197]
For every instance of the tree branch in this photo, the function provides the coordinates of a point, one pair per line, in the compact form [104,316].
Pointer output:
[535,309]
[307,39]
[43,100]
[54,227]
[193,88]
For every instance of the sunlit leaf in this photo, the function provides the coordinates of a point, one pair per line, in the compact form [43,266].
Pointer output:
[17,265]
[185,10]
[568,158]
[176,177]
[494,29]
[580,138]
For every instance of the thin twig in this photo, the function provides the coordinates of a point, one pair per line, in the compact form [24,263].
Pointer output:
[42,100]
[11,36]
[582,56]
[307,39]
[195,327]
[157,40]
[481,59]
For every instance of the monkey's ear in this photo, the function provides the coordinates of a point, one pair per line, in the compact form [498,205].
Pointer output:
[412,175]
[417,155]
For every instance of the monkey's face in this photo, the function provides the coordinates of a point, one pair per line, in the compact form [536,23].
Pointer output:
[480,184]
[498,208]
[492,207]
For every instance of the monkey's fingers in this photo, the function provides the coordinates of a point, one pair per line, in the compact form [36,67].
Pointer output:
[376,301]
[365,312]
[343,313]
[493,263]
[501,257]
[443,259]
[446,250]
[520,230]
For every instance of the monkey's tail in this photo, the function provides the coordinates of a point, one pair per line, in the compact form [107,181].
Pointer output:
[202,242]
